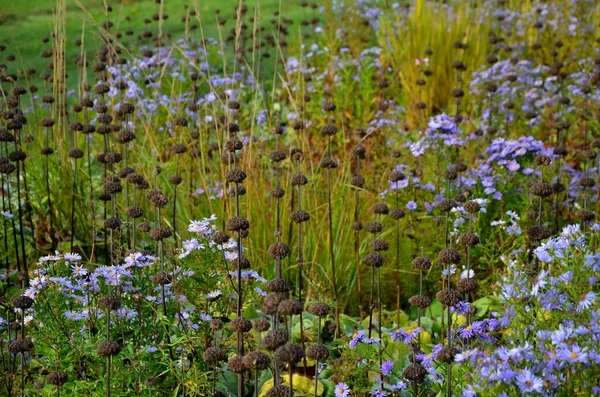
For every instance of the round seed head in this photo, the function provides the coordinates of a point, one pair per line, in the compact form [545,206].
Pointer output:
[543,160]
[161,278]
[359,151]
[57,378]
[278,285]
[328,162]
[216,325]
[472,207]
[21,345]
[373,259]
[261,325]
[585,215]
[397,213]
[357,181]
[112,223]
[279,391]
[357,226]
[467,285]
[235,176]
[420,301]
[240,324]
[256,360]
[289,353]
[22,302]
[275,338]
[538,233]
[237,223]
[160,233]
[214,355]
[468,239]
[220,237]
[446,354]
[278,250]
[380,208]
[300,216]
[541,189]
[448,296]
[396,176]
[379,245]
[317,352]
[421,262]
[447,205]
[271,303]
[586,181]
[277,193]
[298,180]
[134,212]
[415,373]
[110,302]
[449,255]
[374,227]
[450,174]
[319,309]
[108,348]
[236,364]
[277,155]
[289,307]
[329,130]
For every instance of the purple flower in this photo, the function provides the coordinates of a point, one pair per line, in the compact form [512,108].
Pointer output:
[342,390]
[411,206]
[387,367]
[528,382]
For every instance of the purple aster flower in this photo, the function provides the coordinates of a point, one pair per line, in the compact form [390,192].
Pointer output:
[342,390]
[528,382]
[387,367]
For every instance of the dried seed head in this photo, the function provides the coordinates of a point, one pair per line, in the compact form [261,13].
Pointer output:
[256,360]
[319,309]
[538,233]
[175,180]
[235,176]
[109,302]
[317,352]
[380,208]
[448,256]
[289,353]
[57,378]
[396,176]
[415,373]
[261,325]
[541,189]
[22,302]
[450,174]
[277,155]
[271,303]
[329,106]
[472,207]
[543,160]
[160,232]
[447,205]
[161,278]
[448,296]
[233,144]
[220,237]
[379,245]
[328,163]
[298,180]
[359,151]
[134,212]
[275,338]
[373,259]
[240,324]
[112,223]
[586,181]
[467,285]
[468,239]
[446,354]
[278,250]
[279,391]
[214,355]
[374,227]
[277,193]
[397,213]
[216,324]
[108,348]
[420,301]
[237,223]
[289,307]
[357,181]
[585,215]
[329,130]
[357,226]
[236,364]
[300,216]
[21,345]
[159,200]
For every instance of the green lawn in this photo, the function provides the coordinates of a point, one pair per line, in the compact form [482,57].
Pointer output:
[23,24]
